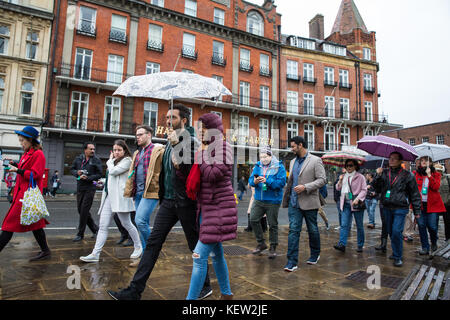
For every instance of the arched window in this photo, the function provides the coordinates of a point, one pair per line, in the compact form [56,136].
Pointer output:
[255,23]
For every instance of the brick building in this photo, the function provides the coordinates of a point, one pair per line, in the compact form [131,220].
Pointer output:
[101,43]
[437,133]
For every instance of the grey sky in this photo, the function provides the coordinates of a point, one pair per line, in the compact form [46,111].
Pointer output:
[413,50]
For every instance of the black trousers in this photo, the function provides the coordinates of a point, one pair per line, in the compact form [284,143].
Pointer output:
[446,217]
[122,230]
[84,203]
[39,235]
[167,216]
[384,232]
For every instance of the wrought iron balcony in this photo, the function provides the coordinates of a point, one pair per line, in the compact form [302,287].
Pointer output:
[329,83]
[293,77]
[265,72]
[118,36]
[345,85]
[87,29]
[218,59]
[155,46]
[245,66]
[309,80]
[369,89]
[189,53]
[87,73]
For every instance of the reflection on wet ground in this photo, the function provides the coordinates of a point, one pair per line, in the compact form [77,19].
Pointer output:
[252,277]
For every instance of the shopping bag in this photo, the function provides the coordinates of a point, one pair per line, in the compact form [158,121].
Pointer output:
[33,205]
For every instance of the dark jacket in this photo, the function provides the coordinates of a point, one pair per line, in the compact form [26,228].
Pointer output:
[371,192]
[179,175]
[336,193]
[404,192]
[94,169]
[242,185]
[56,178]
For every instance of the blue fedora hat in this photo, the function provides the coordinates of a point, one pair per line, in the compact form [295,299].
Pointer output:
[29,132]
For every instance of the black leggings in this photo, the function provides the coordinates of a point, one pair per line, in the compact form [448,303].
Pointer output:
[39,235]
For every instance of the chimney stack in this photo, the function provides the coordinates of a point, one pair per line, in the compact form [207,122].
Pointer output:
[316,26]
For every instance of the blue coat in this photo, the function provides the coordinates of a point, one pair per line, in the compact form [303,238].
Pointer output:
[275,180]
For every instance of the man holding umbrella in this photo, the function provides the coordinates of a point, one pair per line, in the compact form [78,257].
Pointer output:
[398,190]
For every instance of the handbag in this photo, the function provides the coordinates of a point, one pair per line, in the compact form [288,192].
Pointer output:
[193,181]
[361,205]
[33,205]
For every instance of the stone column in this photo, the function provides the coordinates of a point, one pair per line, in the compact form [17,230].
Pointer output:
[68,38]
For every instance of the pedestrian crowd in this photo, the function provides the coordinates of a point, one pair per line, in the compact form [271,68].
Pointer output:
[189,180]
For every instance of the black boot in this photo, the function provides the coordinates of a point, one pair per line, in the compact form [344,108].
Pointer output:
[249,227]
[382,246]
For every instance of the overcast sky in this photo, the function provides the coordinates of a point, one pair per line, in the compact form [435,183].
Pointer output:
[413,50]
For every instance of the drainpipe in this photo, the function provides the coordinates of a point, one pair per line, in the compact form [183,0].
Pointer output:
[358,95]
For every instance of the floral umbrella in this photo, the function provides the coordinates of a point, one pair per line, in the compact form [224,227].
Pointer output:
[338,158]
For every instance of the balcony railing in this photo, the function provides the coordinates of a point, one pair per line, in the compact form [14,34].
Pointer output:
[189,53]
[245,66]
[118,36]
[86,73]
[369,89]
[87,29]
[265,72]
[293,77]
[218,59]
[345,85]
[309,80]
[155,46]
[330,83]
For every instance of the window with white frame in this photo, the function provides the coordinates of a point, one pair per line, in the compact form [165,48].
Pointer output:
[115,69]
[292,130]
[86,22]
[412,142]
[367,81]
[219,16]
[187,71]
[264,97]
[159,3]
[302,43]
[244,58]
[440,139]
[367,54]
[308,103]
[309,136]
[118,28]
[112,114]
[244,93]
[188,44]
[330,139]
[264,131]
[368,110]
[345,136]
[308,71]
[218,113]
[341,51]
[425,139]
[79,110]
[2,91]
[329,75]
[155,36]
[329,107]
[292,102]
[343,77]
[26,97]
[190,8]
[264,63]
[345,108]
[220,79]
[255,23]
[32,45]
[4,39]
[292,69]
[370,132]
[151,114]
[244,126]
[218,49]
[83,62]
[152,67]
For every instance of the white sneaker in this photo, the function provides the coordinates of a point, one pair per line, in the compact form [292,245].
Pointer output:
[90,258]
[136,253]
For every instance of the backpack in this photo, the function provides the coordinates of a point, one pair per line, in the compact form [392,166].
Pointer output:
[324,191]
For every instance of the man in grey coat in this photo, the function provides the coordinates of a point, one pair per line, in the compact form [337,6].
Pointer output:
[306,177]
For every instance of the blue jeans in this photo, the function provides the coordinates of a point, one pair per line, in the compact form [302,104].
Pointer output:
[199,269]
[296,216]
[347,225]
[371,205]
[338,206]
[241,193]
[144,209]
[395,222]
[428,221]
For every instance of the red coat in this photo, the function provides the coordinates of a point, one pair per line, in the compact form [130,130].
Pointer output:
[434,203]
[32,161]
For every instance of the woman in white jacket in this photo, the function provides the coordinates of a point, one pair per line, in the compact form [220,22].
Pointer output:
[113,201]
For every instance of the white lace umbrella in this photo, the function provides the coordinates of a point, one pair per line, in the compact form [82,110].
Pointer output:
[437,152]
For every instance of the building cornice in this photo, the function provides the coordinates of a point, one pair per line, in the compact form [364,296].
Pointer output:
[26,10]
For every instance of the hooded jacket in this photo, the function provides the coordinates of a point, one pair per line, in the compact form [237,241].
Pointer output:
[275,181]
[434,203]
[216,202]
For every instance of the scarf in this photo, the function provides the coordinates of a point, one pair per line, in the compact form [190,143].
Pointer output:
[348,177]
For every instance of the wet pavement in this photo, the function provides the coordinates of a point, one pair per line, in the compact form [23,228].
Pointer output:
[252,277]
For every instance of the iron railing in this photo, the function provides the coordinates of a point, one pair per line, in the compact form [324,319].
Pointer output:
[155,46]
[118,36]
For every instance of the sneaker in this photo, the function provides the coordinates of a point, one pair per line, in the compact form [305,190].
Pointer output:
[206,292]
[337,228]
[290,267]
[272,252]
[90,258]
[327,225]
[433,247]
[136,253]
[260,248]
[424,252]
[398,263]
[313,260]
[360,249]
[339,247]
[125,294]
